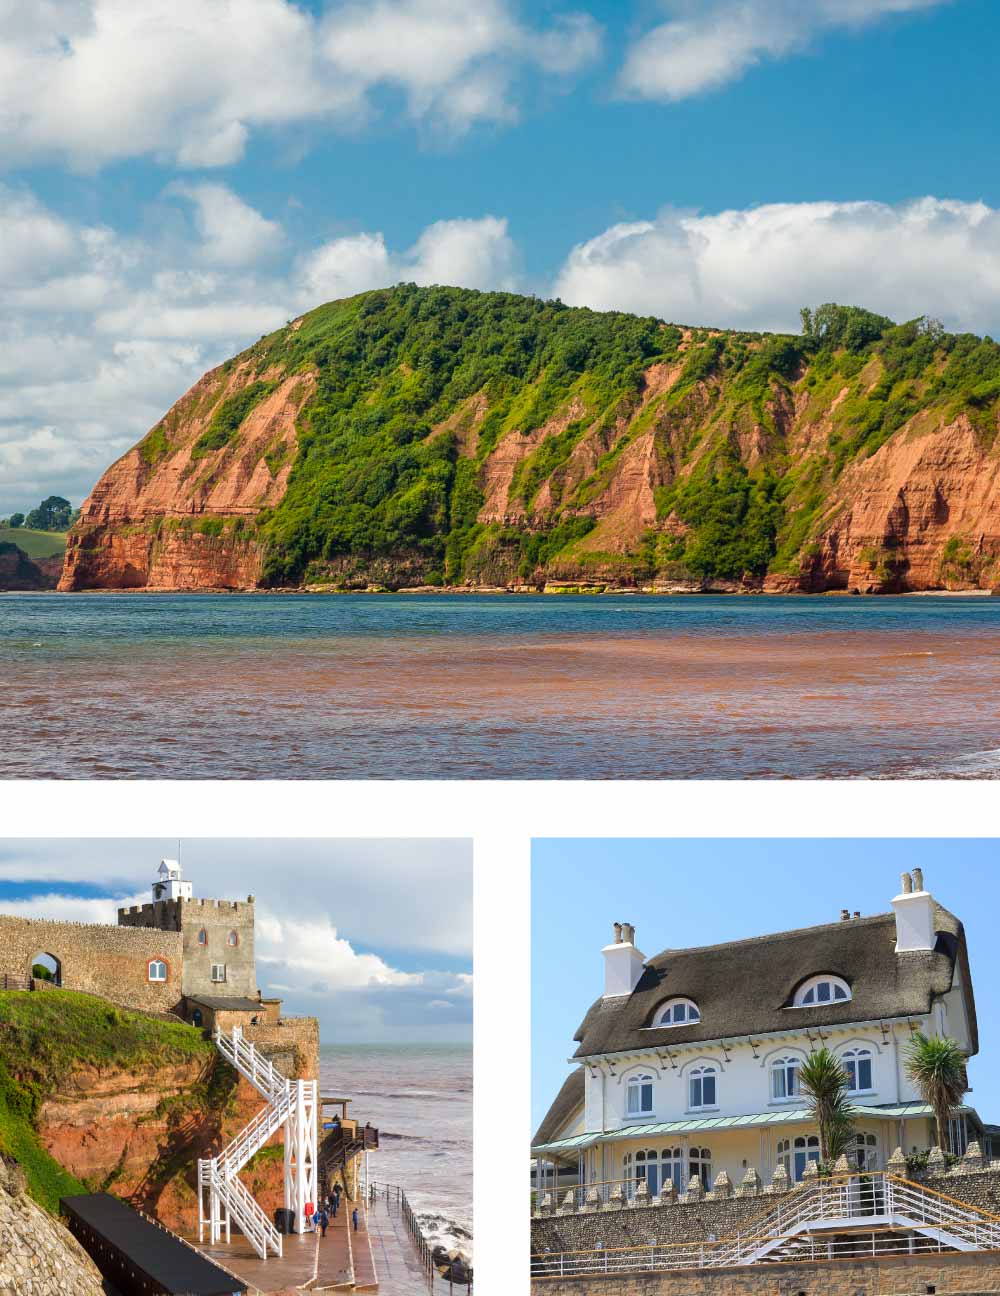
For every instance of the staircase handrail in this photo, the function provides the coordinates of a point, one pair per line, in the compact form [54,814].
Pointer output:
[247,1213]
[236,1154]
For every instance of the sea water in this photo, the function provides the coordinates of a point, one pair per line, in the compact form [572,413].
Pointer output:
[480,686]
[419,1098]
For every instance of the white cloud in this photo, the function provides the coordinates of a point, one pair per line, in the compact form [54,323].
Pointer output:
[58,907]
[754,268]
[468,253]
[188,81]
[232,232]
[102,332]
[330,945]
[706,43]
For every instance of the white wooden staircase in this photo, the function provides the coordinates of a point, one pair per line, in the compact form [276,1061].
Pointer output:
[290,1105]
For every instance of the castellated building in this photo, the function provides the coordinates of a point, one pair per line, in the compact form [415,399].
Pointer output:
[192,958]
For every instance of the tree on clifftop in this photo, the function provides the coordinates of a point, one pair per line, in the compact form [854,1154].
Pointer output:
[53,514]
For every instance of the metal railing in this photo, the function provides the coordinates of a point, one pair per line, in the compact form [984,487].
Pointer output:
[880,1214]
[396,1198]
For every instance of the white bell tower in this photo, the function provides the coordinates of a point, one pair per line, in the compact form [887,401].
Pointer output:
[169,885]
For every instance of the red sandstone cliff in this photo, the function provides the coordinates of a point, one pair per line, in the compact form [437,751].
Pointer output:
[921,511]
[164,517]
[140,1136]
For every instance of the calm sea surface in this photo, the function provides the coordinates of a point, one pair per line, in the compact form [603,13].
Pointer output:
[299,686]
[420,1101]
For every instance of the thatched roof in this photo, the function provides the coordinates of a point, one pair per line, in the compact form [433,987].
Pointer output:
[567,1101]
[746,987]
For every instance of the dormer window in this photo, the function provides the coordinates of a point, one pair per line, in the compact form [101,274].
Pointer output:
[639,1096]
[678,1012]
[822,990]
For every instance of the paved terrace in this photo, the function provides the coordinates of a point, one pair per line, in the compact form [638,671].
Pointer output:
[380,1258]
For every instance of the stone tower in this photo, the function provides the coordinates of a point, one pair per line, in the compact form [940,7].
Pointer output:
[217,935]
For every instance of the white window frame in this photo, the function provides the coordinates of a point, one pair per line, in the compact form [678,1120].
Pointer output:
[157,963]
[812,987]
[780,1069]
[697,1076]
[218,980]
[692,1014]
[851,1061]
[636,1085]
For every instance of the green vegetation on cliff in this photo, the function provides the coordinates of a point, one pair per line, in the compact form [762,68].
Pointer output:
[44,1038]
[453,436]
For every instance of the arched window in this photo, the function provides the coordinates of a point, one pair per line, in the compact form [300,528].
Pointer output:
[234,938]
[627,1171]
[203,937]
[678,1012]
[822,990]
[785,1078]
[858,1065]
[700,1166]
[795,1155]
[639,1095]
[157,970]
[702,1090]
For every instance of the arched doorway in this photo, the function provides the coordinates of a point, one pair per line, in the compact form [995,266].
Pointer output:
[46,967]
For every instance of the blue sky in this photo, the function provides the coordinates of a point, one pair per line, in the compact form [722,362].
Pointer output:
[681,893]
[373,937]
[178,177]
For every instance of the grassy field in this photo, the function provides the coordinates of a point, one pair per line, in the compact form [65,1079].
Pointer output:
[36,544]
[45,1036]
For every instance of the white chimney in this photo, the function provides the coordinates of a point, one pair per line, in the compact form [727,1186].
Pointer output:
[914,910]
[622,962]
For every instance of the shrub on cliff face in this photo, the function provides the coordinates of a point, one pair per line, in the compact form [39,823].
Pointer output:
[45,1038]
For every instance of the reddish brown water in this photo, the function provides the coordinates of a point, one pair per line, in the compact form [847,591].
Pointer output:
[473,688]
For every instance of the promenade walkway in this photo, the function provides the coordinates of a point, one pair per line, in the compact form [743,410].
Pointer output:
[379,1258]
[397,1267]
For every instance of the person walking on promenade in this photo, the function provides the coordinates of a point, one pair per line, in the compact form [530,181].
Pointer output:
[323,1220]
[354,1219]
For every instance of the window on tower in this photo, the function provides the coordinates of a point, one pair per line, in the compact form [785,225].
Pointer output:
[234,938]
[218,971]
[203,937]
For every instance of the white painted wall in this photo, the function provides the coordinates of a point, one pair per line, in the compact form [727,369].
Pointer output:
[743,1081]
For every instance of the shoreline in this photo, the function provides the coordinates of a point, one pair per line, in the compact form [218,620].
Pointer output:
[569,590]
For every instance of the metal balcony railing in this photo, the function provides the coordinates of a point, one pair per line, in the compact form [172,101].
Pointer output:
[873,1213]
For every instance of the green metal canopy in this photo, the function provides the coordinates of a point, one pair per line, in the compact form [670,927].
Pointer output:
[894,1111]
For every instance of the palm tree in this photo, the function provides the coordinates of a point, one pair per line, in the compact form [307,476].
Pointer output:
[936,1065]
[823,1082]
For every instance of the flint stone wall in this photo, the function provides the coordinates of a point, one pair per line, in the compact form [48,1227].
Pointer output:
[698,1221]
[38,1256]
[102,960]
[973,1274]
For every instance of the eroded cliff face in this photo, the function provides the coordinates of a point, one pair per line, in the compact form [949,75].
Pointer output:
[139,1136]
[177,514]
[727,461]
[19,572]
